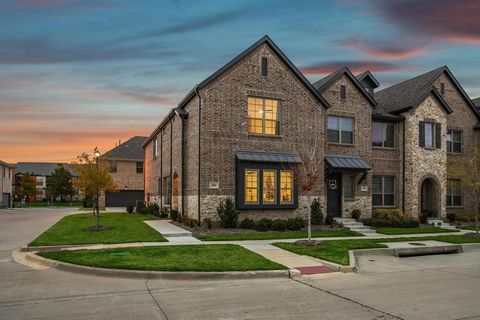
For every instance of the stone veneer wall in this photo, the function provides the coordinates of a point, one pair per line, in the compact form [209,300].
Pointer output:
[421,162]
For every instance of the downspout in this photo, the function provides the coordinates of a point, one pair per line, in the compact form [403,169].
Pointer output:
[199,152]
[171,164]
[183,165]
[161,168]
[403,165]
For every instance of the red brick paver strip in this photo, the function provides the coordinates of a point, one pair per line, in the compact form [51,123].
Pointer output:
[314,269]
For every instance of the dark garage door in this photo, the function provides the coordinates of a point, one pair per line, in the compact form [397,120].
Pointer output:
[123,198]
[5,200]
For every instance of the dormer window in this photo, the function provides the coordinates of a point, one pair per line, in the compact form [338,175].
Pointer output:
[264,66]
[343,92]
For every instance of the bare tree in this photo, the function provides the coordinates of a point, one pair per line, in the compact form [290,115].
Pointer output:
[309,171]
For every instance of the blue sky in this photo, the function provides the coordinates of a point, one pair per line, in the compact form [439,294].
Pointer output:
[75,74]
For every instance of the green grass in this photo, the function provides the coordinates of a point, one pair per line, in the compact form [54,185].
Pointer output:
[277,235]
[469,227]
[337,250]
[73,230]
[395,231]
[44,204]
[212,257]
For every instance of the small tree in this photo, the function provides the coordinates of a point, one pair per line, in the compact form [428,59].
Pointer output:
[26,186]
[93,178]
[316,212]
[308,172]
[60,184]
[467,170]
[227,213]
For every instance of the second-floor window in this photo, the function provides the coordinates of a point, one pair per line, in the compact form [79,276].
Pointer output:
[383,134]
[430,135]
[340,129]
[454,141]
[263,116]
[113,166]
[139,167]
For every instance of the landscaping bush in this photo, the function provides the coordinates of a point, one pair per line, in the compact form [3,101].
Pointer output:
[423,217]
[465,217]
[263,224]
[140,206]
[356,214]
[329,220]
[87,203]
[174,215]
[295,223]
[279,225]
[164,213]
[227,213]
[391,223]
[387,214]
[316,212]
[192,223]
[247,224]
[130,208]
[208,222]
[452,216]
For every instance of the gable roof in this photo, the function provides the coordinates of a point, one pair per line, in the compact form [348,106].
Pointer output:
[410,93]
[368,76]
[264,40]
[40,168]
[132,149]
[324,83]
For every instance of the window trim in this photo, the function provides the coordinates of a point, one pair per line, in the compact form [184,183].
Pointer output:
[240,203]
[383,205]
[264,120]
[340,130]
[452,131]
[449,180]
[384,134]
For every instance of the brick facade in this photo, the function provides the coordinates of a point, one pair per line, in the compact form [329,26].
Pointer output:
[303,121]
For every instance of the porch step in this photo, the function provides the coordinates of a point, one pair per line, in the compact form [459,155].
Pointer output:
[356,226]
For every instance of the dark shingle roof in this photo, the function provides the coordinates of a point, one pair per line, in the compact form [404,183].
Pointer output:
[406,94]
[324,83]
[476,102]
[39,168]
[131,149]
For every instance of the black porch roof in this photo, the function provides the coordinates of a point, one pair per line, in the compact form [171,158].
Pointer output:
[346,162]
[255,156]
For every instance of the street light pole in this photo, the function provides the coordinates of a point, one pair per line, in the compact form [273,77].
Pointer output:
[97,154]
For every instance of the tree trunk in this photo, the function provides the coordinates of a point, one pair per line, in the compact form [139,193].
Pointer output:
[309,218]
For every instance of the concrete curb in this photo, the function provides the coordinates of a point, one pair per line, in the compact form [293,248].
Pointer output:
[144,274]
[80,247]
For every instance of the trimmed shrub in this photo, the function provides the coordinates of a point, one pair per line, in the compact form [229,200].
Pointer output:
[164,213]
[174,215]
[227,213]
[247,224]
[295,224]
[316,212]
[356,214]
[451,216]
[329,220]
[391,223]
[388,214]
[279,225]
[423,217]
[208,222]
[130,208]
[263,224]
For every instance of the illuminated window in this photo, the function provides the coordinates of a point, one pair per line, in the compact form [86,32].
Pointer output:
[286,186]
[269,186]
[263,116]
[251,186]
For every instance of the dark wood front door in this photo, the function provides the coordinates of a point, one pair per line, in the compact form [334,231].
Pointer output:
[334,195]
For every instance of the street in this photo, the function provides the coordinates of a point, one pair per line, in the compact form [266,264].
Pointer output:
[433,287]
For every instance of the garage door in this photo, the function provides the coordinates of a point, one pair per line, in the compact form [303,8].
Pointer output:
[5,200]
[123,198]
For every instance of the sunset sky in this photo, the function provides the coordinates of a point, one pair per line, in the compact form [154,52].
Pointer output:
[77,74]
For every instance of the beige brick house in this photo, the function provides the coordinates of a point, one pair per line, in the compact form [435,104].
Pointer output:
[6,183]
[243,132]
[126,168]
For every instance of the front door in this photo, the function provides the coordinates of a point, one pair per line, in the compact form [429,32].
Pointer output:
[334,195]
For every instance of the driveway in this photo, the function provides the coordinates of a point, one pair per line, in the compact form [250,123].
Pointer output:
[434,289]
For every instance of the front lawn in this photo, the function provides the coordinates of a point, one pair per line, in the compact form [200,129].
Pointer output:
[212,257]
[337,250]
[73,230]
[277,235]
[469,227]
[394,231]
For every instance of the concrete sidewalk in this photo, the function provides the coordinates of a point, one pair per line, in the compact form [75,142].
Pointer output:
[174,234]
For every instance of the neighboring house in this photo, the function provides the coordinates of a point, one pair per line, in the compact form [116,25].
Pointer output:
[126,168]
[6,176]
[41,171]
[242,133]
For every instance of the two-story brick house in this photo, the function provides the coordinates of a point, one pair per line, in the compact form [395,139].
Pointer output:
[243,132]
[127,170]
[6,178]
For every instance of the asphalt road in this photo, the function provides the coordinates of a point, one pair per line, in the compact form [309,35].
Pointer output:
[434,287]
